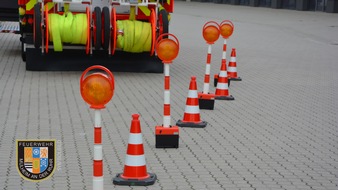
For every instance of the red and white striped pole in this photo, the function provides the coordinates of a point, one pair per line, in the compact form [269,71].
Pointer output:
[166,135]
[166,108]
[207,72]
[226,28]
[211,34]
[224,53]
[97,161]
[97,89]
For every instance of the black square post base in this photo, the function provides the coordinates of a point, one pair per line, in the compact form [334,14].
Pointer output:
[206,101]
[167,137]
[118,180]
[206,104]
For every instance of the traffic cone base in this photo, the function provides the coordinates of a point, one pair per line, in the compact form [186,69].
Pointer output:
[224,97]
[201,124]
[120,180]
[235,79]
[206,101]
[166,137]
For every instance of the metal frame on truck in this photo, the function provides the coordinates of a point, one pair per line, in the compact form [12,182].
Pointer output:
[102,34]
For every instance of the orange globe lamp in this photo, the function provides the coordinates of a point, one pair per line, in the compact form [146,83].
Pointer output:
[226,28]
[211,32]
[167,48]
[97,88]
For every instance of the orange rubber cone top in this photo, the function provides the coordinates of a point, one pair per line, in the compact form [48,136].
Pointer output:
[193,85]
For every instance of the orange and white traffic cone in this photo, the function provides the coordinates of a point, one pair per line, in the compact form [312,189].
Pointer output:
[135,170]
[222,88]
[232,68]
[192,111]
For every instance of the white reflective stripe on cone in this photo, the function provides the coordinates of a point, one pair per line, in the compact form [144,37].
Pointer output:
[223,74]
[97,152]
[135,138]
[232,69]
[222,86]
[192,109]
[97,183]
[192,94]
[132,160]
[232,59]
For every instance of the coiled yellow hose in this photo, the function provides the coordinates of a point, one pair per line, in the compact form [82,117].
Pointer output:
[134,36]
[67,28]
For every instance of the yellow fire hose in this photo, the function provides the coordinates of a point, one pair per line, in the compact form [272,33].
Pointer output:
[67,28]
[134,36]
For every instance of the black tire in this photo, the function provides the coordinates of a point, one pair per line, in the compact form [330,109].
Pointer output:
[37,26]
[105,28]
[163,22]
[23,53]
[98,25]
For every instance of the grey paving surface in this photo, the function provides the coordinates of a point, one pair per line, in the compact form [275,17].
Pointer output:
[281,132]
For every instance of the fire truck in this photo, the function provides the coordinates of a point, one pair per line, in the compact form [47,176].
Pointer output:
[71,35]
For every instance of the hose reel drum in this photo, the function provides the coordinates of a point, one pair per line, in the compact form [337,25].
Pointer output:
[100,29]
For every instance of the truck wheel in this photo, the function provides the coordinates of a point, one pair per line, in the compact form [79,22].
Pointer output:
[113,31]
[163,22]
[37,26]
[106,28]
[97,28]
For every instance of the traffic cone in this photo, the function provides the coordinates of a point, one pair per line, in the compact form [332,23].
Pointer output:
[232,68]
[222,90]
[192,111]
[135,170]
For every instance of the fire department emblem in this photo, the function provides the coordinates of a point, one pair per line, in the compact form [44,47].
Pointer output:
[35,159]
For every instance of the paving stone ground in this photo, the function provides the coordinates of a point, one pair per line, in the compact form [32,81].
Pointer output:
[280,132]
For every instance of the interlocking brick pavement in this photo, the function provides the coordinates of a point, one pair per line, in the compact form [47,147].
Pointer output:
[279,133]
